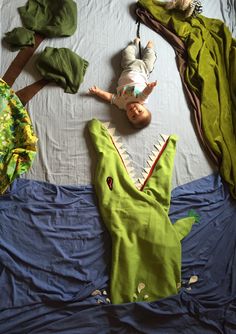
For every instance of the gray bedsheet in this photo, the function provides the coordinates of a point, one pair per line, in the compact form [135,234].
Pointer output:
[65,154]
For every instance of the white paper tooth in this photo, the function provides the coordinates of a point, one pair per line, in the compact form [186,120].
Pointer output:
[141,180]
[122,151]
[144,174]
[112,131]
[106,124]
[119,145]
[147,170]
[154,153]
[150,163]
[127,162]
[165,137]
[158,147]
[152,157]
[125,157]
[161,142]
[130,169]
[116,138]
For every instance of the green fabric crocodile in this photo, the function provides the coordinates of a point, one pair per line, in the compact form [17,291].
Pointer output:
[211,74]
[146,246]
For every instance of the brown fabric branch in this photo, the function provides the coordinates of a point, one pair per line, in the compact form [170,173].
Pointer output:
[26,93]
[20,61]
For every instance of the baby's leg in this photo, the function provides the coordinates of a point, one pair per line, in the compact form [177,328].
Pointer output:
[129,54]
[149,56]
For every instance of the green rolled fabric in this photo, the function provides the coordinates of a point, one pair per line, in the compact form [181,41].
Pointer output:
[63,66]
[20,37]
[51,18]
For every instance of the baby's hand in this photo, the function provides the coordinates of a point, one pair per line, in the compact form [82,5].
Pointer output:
[151,84]
[149,87]
[93,90]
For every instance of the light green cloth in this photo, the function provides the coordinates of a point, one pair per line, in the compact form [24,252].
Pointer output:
[63,66]
[146,246]
[19,38]
[211,74]
[51,18]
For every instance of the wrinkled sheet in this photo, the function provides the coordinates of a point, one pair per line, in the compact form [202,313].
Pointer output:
[65,151]
[66,157]
[49,267]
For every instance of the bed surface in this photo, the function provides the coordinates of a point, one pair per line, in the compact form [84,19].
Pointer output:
[65,155]
[51,265]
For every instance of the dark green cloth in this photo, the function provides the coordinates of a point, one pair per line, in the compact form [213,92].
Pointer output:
[63,66]
[19,38]
[51,18]
[211,74]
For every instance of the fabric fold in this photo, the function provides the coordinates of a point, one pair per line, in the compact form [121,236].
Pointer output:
[208,73]
[49,17]
[62,66]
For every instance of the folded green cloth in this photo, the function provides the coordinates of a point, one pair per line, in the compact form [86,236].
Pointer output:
[52,18]
[63,66]
[18,38]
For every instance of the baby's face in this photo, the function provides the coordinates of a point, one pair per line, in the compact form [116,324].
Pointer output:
[135,112]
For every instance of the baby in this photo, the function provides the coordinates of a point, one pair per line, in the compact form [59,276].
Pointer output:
[133,89]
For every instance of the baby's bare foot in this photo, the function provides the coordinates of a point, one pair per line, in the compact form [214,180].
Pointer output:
[149,44]
[136,40]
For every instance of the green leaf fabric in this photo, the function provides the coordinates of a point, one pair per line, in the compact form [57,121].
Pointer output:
[62,66]
[211,74]
[17,138]
[51,18]
[19,38]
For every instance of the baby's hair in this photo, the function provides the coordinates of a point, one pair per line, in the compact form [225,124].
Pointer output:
[144,121]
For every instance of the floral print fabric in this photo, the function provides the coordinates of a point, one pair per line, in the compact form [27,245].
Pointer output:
[17,138]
